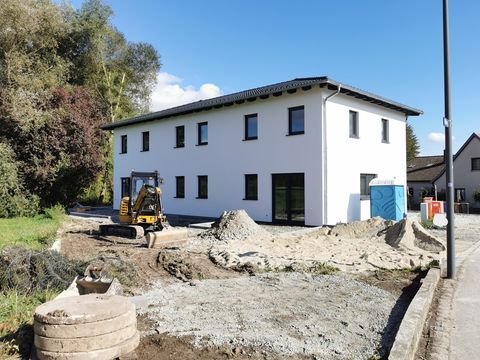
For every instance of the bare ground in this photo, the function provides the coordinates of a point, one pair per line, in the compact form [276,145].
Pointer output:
[139,269]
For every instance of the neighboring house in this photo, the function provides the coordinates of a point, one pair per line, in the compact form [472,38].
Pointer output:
[421,175]
[301,151]
[426,175]
[466,172]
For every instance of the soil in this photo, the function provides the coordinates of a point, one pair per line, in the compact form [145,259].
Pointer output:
[139,269]
[163,346]
[136,266]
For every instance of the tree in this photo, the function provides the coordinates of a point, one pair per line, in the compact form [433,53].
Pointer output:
[60,156]
[413,148]
[63,72]
[14,199]
[122,73]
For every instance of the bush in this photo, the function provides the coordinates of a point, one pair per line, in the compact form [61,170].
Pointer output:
[56,213]
[476,196]
[14,199]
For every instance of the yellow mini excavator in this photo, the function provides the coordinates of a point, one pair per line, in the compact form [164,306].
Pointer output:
[141,210]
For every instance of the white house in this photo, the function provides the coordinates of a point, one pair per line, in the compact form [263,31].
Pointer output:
[301,151]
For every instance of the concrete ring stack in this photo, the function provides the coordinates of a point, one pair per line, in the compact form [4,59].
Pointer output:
[90,326]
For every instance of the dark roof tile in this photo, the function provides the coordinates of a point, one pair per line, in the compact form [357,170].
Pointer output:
[264,92]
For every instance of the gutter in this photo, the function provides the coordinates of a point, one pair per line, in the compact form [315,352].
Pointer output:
[324,155]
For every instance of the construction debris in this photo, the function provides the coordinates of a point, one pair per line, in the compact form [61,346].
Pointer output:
[27,270]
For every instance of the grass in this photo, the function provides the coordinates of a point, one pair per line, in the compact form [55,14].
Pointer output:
[17,308]
[427,224]
[316,268]
[35,232]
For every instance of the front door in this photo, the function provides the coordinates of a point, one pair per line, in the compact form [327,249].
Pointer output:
[288,198]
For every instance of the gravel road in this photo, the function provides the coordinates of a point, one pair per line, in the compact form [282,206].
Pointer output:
[327,316]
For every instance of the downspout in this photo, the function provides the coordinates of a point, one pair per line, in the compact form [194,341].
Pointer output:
[324,153]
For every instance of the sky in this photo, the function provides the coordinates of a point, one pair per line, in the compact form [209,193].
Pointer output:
[390,48]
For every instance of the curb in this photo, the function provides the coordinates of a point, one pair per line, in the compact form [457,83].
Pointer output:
[410,331]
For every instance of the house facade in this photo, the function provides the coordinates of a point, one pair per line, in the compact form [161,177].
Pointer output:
[302,151]
[466,172]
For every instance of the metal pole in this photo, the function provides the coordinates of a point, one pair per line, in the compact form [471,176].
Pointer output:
[448,151]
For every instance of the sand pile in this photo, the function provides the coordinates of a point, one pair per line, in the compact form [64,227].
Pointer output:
[361,229]
[358,246]
[235,225]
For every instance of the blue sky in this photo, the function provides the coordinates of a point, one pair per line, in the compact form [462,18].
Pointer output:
[390,48]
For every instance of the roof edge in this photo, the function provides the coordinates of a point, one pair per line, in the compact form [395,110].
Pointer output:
[264,92]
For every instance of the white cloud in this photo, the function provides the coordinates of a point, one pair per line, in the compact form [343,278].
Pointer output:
[438,138]
[435,137]
[169,92]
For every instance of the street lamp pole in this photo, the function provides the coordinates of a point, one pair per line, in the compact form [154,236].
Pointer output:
[448,151]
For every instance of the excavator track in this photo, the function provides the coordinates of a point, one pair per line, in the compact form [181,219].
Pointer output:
[127,231]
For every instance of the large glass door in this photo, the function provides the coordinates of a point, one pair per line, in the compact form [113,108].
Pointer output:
[288,198]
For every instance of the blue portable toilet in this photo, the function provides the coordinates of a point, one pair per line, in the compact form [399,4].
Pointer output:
[387,199]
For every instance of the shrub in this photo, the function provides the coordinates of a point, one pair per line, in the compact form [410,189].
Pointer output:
[476,196]
[14,199]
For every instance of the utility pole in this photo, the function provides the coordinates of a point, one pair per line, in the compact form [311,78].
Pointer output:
[447,122]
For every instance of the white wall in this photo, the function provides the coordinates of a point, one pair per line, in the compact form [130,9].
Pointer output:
[227,157]
[350,157]
[463,176]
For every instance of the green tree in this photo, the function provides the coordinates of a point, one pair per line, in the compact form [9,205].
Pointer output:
[62,73]
[14,199]
[413,148]
[121,73]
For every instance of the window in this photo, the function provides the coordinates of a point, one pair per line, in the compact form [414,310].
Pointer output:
[145,141]
[202,187]
[364,185]
[202,133]
[353,124]
[251,127]
[385,131]
[296,120]
[251,187]
[180,136]
[180,181]
[459,195]
[124,144]
[125,186]
[476,163]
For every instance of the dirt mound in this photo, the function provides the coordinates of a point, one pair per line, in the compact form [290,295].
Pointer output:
[235,225]
[411,234]
[190,266]
[361,229]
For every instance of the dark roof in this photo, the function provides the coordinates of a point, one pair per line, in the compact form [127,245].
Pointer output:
[264,92]
[425,168]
